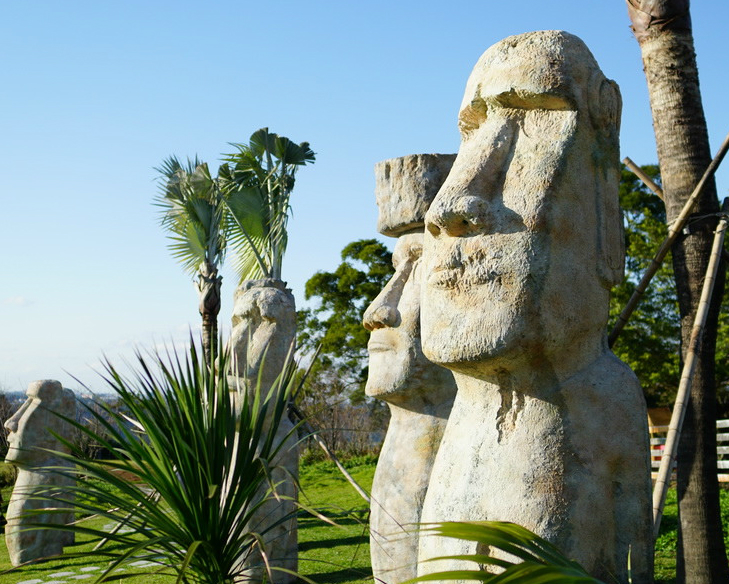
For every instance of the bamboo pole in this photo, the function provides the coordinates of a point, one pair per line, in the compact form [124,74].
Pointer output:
[310,430]
[684,389]
[637,171]
[673,232]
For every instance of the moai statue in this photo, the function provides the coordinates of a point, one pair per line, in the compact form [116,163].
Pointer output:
[29,435]
[418,393]
[264,329]
[522,245]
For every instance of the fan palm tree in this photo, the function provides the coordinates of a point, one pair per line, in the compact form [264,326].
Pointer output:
[257,181]
[194,214]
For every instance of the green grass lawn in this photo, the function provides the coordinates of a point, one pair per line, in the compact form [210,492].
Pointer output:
[335,554]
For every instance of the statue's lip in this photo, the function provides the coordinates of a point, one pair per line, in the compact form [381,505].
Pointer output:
[378,346]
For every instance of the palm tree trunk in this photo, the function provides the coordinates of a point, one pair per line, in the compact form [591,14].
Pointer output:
[208,285]
[663,30]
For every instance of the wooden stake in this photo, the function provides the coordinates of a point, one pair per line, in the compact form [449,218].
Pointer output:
[673,231]
[637,171]
[668,459]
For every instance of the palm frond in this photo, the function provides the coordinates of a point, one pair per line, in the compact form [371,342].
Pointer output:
[263,171]
[539,562]
[192,211]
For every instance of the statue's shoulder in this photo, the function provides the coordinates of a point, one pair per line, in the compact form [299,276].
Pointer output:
[607,388]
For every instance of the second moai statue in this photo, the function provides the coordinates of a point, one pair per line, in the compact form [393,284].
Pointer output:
[419,393]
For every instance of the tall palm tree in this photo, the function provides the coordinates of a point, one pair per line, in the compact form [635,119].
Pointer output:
[257,181]
[194,214]
[663,31]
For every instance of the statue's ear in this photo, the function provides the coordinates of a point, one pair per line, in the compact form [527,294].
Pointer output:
[610,233]
[605,106]
[605,103]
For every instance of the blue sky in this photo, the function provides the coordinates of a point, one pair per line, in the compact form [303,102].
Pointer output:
[96,94]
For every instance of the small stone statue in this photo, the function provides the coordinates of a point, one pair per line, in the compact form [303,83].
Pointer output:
[29,435]
[418,393]
[264,329]
[522,245]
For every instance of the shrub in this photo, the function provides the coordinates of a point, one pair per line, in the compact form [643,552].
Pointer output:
[189,465]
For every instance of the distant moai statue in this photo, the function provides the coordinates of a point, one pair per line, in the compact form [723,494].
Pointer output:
[262,339]
[522,245]
[419,393]
[29,436]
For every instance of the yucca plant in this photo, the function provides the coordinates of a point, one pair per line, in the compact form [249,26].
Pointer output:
[257,181]
[203,453]
[536,561]
[193,212]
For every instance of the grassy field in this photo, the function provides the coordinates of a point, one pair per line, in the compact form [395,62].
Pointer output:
[331,554]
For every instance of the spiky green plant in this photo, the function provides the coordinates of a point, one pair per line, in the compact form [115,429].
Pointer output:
[538,561]
[202,452]
[258,180]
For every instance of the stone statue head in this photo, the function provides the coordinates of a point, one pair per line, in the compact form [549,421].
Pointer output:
[398,369]
[524,239]
[29,429]
[264,328]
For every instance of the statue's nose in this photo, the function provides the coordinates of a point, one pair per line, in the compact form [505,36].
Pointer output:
[458,215]
[380,315]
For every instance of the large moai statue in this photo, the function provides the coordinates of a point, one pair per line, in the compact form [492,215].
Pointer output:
[523,243]
[418,393]
[30,434]
[264,329]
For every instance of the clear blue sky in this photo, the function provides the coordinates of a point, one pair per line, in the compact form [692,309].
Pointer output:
[95,94]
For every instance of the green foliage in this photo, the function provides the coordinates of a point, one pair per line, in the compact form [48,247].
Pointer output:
[539,561]
[258,180]
[650,341]
[342,298]
[192,457]
[193,212]
[8,474]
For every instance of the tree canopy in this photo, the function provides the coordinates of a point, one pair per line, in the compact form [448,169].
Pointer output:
[335,322]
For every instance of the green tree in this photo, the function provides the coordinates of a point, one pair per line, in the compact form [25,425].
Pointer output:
[335,322]
[333,394]
[649,343]
[193,212]
[257,181]
[664,33]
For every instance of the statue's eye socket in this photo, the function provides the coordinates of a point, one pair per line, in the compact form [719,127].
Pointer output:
[524,100]
[472,116]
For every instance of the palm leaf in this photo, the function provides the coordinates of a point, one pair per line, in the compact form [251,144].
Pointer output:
[263,170]
[540,562]
[192,211]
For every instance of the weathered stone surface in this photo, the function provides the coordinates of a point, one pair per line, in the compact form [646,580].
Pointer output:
[405,187]
[522,244]
[264,329]
[29,431]
[419,393]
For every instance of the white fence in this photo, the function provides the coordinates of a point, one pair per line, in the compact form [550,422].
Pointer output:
[658,440]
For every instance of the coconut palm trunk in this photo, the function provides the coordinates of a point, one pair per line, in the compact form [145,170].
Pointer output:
[663,31]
